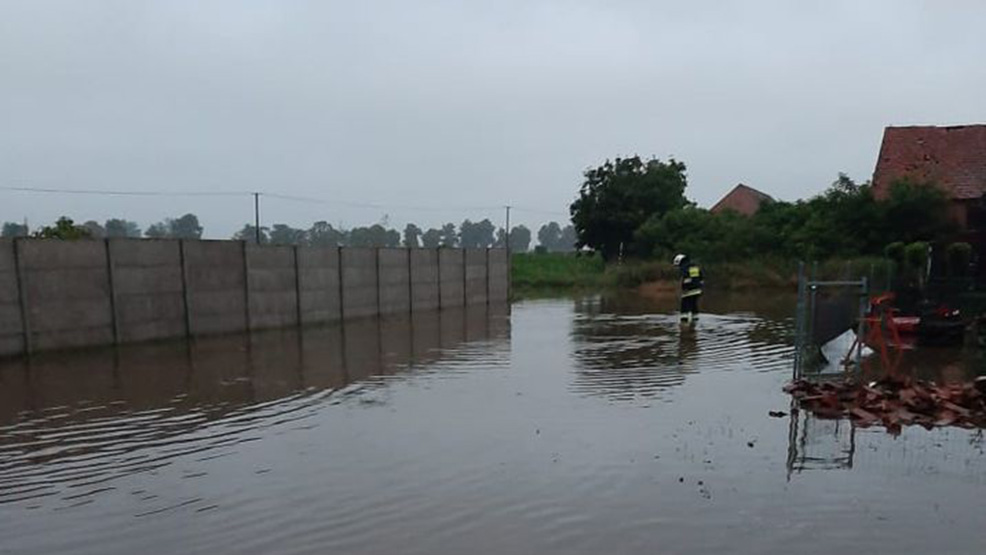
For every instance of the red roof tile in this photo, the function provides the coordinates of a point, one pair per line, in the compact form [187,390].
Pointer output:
[742,199]
[954,158]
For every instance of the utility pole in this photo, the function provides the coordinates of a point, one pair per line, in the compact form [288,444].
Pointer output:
[506,239]
[256,216]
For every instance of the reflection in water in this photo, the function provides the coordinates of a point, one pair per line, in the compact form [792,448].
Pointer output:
[819,444]
[626,356]
[456,433]
[72,423]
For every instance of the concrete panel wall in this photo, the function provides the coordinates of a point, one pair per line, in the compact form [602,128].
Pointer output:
[11,327]
[214,276]
[359,282]
[318,284]
[273,294]
[84,293]
[424,279]
[395,281]
[67,288]
[451,290]
[147,289]
[475,276]
[498,275]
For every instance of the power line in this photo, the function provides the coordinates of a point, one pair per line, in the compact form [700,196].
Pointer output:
[539,211]
[376,205]
[278,196]
[125,193]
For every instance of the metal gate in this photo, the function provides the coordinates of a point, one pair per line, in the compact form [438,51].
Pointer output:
[825,310]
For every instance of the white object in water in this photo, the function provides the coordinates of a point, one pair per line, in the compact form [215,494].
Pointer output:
[835,351]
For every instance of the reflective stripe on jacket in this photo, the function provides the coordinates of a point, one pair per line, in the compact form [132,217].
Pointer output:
[691,281]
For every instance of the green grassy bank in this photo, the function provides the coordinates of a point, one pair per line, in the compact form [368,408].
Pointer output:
[533,273]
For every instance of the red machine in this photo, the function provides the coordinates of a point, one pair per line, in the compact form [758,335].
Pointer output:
[885,328]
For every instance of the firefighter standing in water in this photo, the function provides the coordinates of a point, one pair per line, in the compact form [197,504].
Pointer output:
[691,287]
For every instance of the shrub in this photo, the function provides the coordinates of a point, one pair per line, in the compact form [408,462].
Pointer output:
[958,256]
[895,251]
[916,255]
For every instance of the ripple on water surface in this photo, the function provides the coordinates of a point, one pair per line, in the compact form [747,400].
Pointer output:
[580,426]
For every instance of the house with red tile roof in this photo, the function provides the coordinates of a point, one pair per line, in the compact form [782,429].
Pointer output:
[952,158]
[742,199]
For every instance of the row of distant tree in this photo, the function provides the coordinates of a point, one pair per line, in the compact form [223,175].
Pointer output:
[468,234]
[185,227]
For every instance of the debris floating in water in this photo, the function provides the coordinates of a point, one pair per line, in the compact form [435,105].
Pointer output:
[895,401]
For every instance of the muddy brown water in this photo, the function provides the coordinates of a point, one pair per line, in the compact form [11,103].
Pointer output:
[591,425]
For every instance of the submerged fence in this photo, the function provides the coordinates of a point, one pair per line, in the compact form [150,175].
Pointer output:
[826,309]
[65,294]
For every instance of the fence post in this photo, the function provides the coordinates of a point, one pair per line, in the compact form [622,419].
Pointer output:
[376,271]
[246,286]
[438,272]
[799,322]
[184,287]
[861,326]
[410,282]
[342,305]
[22,295]
[297,287]
[111,278]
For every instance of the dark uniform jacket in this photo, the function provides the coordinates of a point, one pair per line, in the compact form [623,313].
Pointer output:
[691,279]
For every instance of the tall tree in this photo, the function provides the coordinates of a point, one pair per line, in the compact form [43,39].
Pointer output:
[412,236]
[431,239]
[620,195]
[476,235]
[568,240]
[185,227]
[520,239]
[249,234]
[322,234]
[116,227]
[549,236]
[96,231]
[13,229]
[501,238]
[449,237]
[374,236]
[64,228]
[157,231]
[282,234]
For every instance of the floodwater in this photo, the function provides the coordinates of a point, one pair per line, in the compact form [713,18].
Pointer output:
[592,425]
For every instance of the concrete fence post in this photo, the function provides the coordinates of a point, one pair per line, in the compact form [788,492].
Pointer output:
[339,258]
[510,262]
[465,277]
[184,287]
[410,283]
[438,272]
[487,275]
[438,279]
[110,278]
[22,295]
[376,273]
[246,285]
[297,287]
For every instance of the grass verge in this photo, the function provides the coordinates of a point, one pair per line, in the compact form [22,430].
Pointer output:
[564,272]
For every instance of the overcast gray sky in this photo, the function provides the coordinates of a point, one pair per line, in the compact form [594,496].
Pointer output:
[452,104]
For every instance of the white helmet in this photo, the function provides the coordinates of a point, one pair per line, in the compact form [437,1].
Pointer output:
[678,259]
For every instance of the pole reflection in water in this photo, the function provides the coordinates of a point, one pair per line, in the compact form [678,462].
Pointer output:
[590,426]
[74,422]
